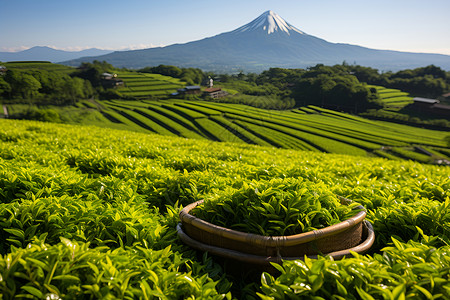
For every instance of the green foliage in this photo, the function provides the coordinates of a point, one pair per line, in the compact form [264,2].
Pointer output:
[427,220]
[403,271]
[164,70]
[147,86]
[316,129]
[93,71]
[264,102]
[38,65]
[408,154]
[391,98]
[307,128]
[279,77]
[429,81]
[22,84]
[340,86]
[251,88]
[333,87]
[72,270]
[275,207]
[264,91]
[45,115]
[93,74]
[191,76]
[43,86]
[407,116]
[91,212]
[5,87]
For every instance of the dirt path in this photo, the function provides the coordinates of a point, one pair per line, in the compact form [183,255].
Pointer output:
[5,112]
[99,106]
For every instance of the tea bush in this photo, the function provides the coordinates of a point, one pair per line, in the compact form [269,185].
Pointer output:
[276,207]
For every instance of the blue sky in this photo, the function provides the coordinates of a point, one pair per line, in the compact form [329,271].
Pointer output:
[405,25]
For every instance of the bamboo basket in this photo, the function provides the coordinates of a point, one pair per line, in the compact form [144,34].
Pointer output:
[337,240]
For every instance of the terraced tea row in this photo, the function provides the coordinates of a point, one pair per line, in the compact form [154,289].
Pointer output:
[144,85]
[392,99]
[308,128]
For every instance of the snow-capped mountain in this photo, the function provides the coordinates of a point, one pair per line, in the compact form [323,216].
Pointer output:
[268,22]
[268,41]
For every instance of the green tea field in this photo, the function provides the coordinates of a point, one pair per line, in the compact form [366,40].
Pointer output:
[145,85]
[89,212]
[308,128]
[392,99]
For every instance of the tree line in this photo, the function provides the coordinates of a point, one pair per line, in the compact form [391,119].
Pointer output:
[44,87]
[341,87]
[328,86]
[192,76]
[429,81]
[55,87]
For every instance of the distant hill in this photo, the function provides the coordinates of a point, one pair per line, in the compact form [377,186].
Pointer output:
[267,41]
[39,53]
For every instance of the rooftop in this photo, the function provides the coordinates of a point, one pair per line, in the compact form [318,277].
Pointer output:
[212,90]
[192,87]
[425,100]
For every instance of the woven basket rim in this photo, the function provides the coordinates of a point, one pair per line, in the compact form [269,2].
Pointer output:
[361,248]
[274,241]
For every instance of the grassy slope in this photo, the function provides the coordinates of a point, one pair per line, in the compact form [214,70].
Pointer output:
[39,65]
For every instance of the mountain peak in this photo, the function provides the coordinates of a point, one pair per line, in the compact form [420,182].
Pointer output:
[269,22]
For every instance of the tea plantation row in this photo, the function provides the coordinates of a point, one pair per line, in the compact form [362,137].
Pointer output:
[392,99]
[144,85]
[307,128]
[87,212]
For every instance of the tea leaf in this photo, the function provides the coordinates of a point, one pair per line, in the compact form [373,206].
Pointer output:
[32,290]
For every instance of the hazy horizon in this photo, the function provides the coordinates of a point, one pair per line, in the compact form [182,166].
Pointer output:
[410,26]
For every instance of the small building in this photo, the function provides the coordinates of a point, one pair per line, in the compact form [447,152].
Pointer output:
[425,100]
[423,103]
[3,70]
[432,106]
[111,80]
[190,90]
[215,93]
